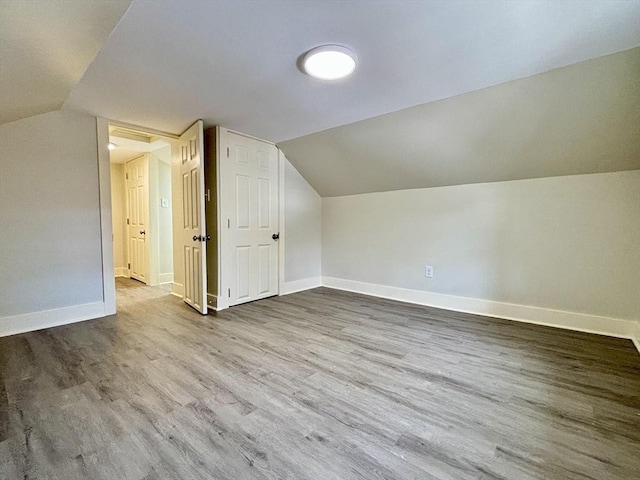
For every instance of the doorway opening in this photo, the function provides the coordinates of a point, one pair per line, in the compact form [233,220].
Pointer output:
[141,202]
[157,217]
[173,215]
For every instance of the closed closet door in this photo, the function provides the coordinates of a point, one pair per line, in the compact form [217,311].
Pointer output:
[249,169]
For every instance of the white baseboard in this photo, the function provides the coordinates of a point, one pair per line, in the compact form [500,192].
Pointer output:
[164,278]
[177,289]
[121,272]
[300,285]
[613,327]
[29,322]
[635,338]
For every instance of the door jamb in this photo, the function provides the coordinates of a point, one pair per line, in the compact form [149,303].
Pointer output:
[222,301]
[106,226]
[104,188]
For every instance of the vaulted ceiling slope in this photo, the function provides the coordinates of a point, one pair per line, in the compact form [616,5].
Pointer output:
[584,118]
[446,92]
[233,63]
[45,48]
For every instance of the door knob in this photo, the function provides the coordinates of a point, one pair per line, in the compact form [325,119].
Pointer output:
[196,238]
[207,238]
[142,232]
[276,236]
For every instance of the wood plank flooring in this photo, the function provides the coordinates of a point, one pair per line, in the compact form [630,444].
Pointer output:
[316,385]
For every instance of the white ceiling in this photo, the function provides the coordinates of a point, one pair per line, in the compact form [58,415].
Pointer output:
[407,118]
[168,63]
[45,48]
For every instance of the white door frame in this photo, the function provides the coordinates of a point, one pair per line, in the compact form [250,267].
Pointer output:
[106,220]
[106,226]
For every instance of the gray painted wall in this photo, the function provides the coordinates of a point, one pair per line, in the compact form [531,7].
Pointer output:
[303,248]
[49,213]
[567,243]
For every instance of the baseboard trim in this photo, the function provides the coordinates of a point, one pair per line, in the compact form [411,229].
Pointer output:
[613,327]
[635,337]
[121,272]
[300,285]
[165,278]
[29,322]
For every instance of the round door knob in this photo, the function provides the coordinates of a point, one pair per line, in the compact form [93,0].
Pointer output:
[142,232]
[196,238]
[275,236]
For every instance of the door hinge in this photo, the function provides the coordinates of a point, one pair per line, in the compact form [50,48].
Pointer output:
[229,293]
[129,266]
[227,152]
[126,176]
[228,223]
[127,221]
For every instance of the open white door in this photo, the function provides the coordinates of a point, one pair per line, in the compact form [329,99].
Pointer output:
[193,241]
[249,174]
[137,182]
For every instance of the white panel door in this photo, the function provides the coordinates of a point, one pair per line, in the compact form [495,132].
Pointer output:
[137,181]
[250,196]
[194,247]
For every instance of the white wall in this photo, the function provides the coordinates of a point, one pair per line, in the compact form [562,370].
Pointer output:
[566,243]
[303,234]
[119,215]
[50,240]
[165,224]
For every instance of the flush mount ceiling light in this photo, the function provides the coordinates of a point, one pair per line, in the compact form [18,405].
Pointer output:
[111,146]
[329,62]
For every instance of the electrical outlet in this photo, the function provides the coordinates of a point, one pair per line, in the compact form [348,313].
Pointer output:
[428,271]
[164,202]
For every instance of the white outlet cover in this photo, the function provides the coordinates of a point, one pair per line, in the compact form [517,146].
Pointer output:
[428,271]
[164,202]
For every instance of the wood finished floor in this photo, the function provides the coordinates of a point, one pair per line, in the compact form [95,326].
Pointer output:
[316,385]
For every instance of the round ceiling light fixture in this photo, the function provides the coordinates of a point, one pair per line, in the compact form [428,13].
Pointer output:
[111,146]
[329,62]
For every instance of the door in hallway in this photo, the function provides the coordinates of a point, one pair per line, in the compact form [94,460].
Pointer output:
[137,182]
